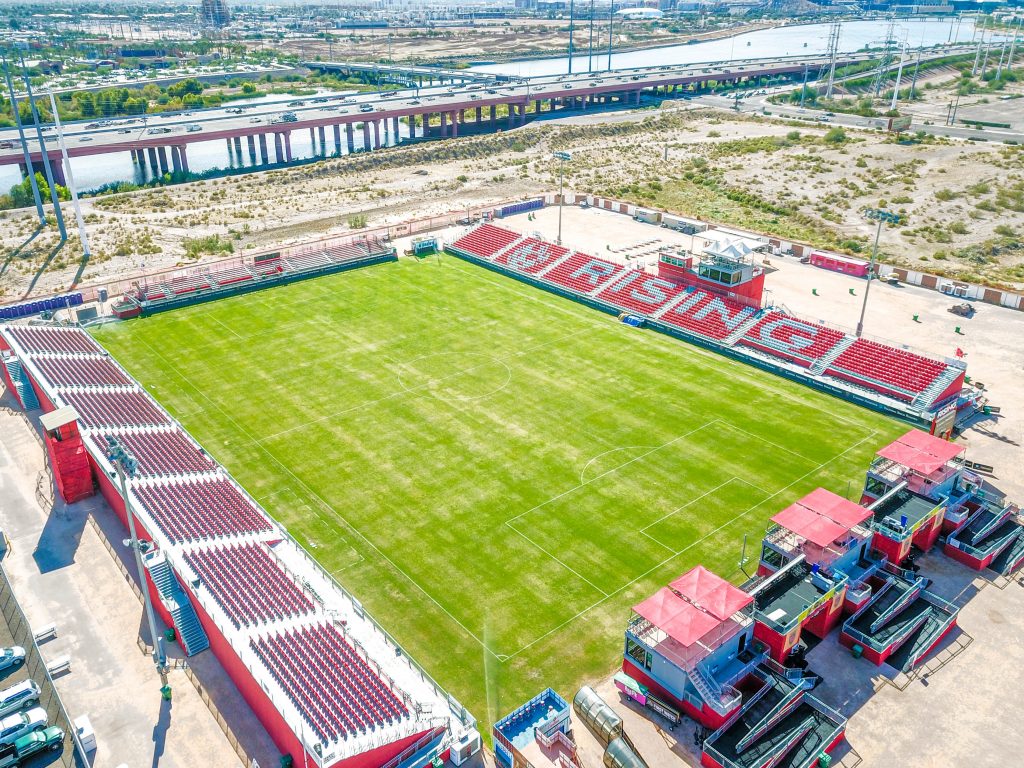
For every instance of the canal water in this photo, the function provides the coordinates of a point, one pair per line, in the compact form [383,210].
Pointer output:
[93,172]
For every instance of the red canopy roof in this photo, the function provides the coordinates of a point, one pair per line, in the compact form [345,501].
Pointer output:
[712,593]
[821,517]
[679,619]
[921,452]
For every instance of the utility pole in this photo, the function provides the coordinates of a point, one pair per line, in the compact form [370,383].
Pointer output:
[977,56]
[126,466]
[572,8]
[899,76]
[563,158]
[881,215]
[1013,47]
[1002,54]
[57,213]
[611,29]
[913,81]
[590,46]
[803,89]
[24,147]
[833,52]
[988,48]
[71,180]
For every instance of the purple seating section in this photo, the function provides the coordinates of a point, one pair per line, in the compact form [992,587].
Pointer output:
[115,409]
[191,511]
[896,370]
[71,341]
[335,690]
[249,584]
[531,255]
[582,273]
[878,367]
[791,339]
[487,240]
[83,371]
[162,453]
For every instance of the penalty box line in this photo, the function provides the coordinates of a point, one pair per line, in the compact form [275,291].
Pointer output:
[670,558]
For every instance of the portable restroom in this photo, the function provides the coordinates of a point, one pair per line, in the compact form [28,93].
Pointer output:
[598,716]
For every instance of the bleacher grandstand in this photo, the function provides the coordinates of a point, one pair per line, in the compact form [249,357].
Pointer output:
[262,271]
[870,372]
[328,684]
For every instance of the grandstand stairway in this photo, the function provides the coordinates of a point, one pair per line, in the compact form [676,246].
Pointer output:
[822,363]
[1007,561]
[186,624]
[667,307]
[712,692]
[741,330]
[937,387]
[22,387]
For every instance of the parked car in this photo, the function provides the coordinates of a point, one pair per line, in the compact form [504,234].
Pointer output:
[11,657]
[14,727]
[48,739]
[18,696]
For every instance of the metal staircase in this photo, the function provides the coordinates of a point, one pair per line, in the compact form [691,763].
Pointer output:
[722,699]
[22,386]
[927,396]
[898,605]
[771,716]
[741,329]
[822,363]
[186,624]
[1007,561]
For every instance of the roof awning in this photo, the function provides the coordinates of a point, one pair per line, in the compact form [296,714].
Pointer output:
[711,592]
[921,452]
[677,618]
[821,517]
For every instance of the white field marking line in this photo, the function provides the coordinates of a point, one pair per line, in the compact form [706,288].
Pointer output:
[738,369]
[609,471]
[407,390]
[460,398]
[222,325]
[766,441]
[300,504]
[695,543]
[684,506]
[605,453]
[571,570]
[333,511]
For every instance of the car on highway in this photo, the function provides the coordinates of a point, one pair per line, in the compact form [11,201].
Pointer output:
[414,102]
[491,91]
[85,138]
[289,117]
[255,119]
[13,727]
[321,100]
[474,96]
[14,656]
[296,103]
[567,85]
[193,127]
[365,108]
[234,110]
[124,130]
[6,145]
[157,131]
[19,696]
[90,126]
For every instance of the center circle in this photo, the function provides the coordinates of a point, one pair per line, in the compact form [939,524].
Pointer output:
[454,375]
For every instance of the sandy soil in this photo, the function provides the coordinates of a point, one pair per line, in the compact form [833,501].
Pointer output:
[822,186]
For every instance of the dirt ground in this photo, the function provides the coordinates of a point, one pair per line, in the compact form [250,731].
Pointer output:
[963,201]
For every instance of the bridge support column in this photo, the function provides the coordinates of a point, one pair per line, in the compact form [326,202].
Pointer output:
[322,131]
[264,157]
[162,153]
[288,145]
[455,124]
[337,138]
[376,134]
[238,146]
[278,149]
[152,159]
[444,125]
[183,157]
[511,116]
[366,137]
[312,140]
[395,128]
[479,114]
[536,106]
[350,138]
[228,142]
[175,161]
[251,141]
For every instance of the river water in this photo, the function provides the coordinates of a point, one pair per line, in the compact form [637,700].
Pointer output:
[92,172]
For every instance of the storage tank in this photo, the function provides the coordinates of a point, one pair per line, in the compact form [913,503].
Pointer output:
[599,717]
[619,754]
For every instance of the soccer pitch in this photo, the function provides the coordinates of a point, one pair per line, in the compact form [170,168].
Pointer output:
[497,473]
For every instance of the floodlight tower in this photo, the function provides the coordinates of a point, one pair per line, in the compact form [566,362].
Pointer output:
[881,216]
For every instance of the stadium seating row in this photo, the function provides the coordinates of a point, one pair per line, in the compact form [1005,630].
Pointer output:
[115,409]
[43,339]
[791,339]
[902,371]
[249,584]
[336,691]
[486,241]
[708,315]
[192,511]
[531,256]
[583,274]
[161,452]
[85,371]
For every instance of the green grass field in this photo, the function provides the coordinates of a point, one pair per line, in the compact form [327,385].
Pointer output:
[497,473]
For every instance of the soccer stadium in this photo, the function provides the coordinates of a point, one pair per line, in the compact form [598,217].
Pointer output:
[397,497]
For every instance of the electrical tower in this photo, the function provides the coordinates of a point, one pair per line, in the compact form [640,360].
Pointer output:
[833,52]
[887,56]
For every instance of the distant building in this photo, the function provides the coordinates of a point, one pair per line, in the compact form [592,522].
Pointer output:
[215,13]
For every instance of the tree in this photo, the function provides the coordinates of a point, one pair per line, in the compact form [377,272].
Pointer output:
[248,88]
[835,135]
[21,194]
[185,87]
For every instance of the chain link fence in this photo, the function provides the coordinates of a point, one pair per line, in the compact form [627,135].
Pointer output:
[72,755]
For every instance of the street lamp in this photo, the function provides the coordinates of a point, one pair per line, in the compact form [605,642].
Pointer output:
[126,466]
[563,158]
[881,216]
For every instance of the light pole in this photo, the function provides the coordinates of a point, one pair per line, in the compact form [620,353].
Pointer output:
[126,466]
[563,158]
[881,216]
